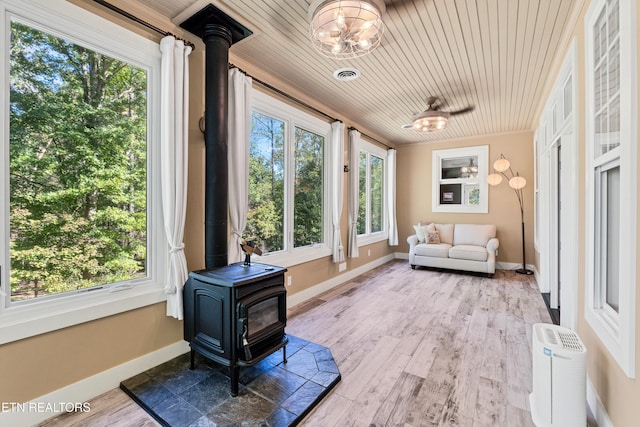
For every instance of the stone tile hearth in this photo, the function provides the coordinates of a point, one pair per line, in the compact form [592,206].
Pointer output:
[272,393]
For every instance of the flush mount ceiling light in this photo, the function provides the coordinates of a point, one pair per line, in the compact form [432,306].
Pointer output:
[430,121]
[433,119]
[346,28]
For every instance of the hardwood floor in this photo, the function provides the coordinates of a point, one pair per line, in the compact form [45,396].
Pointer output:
[426,348]
[414,347]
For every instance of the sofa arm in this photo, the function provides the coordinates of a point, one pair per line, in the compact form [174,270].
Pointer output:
[412,240]
[492,245]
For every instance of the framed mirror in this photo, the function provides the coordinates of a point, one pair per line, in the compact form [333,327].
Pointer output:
[460,180]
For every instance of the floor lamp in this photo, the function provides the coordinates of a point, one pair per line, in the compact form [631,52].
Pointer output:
[517,183]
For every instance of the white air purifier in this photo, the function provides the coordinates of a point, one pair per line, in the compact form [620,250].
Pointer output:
[559,395]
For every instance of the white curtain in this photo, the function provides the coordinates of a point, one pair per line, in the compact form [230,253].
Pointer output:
[354,191]
[238,154]
[337,186]
[174,118]
[391,203]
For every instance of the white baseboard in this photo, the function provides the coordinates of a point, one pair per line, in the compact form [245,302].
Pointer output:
[315,290]
[597,408]
[499,265]
[52,404]
[514,266]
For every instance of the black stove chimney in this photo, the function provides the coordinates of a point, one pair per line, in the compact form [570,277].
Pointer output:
[218,31]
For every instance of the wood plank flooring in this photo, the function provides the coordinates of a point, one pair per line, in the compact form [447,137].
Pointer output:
[414,347]
[425,348]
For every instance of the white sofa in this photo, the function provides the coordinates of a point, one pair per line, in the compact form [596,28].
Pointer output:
[469,247]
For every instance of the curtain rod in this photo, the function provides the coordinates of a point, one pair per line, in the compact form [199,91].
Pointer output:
[141,22]
[286,95]
[296,100]
[372,138]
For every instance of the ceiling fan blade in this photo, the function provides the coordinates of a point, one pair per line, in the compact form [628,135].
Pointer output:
[468,109]
[407,126]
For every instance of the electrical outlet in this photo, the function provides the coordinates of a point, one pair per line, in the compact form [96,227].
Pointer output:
[342,266]
[368,252]
[289,281]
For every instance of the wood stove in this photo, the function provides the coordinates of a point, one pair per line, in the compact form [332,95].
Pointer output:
[236,315]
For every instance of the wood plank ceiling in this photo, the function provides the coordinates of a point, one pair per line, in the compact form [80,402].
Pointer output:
[496,55]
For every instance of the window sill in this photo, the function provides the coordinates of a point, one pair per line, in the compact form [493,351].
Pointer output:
[372,238]
[299,256]
[23,321]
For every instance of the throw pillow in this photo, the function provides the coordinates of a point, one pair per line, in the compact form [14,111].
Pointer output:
[421,232]
[433,238]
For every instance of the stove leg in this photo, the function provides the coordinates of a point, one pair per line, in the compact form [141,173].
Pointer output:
[284,354]
[192,366]
[235,378]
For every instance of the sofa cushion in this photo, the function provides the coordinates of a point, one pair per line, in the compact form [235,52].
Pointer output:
[438,250]
[445,231]
[473,234]
[469,252]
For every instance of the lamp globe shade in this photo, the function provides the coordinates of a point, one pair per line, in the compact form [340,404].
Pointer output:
[501,164]
[517,182]
[494,179]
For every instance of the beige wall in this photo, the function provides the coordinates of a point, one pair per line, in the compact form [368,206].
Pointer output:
[619,394]
[415,190]
[42,364]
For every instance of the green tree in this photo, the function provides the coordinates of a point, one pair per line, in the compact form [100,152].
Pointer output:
[265,218]
[308,188]
[77,164]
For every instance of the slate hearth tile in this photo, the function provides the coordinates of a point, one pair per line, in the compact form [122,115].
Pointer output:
[296,341]
[209,392]
[313,347]
[301,400]
[148,389]
[208,402]
[178,377]
[281,417]
[277,384]
[247,409]
[325,361]
[325,379]
[302,363]
[203,421]
[250,373]
[294,345]
[177,412]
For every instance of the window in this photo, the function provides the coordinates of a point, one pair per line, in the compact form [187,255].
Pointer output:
[459,180]
[289,210]
[612,180]
[80,198]
[372,224]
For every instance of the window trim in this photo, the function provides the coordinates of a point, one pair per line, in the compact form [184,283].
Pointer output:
[437,156]
[617,333]
[293,117]
[372,149]
[20,320]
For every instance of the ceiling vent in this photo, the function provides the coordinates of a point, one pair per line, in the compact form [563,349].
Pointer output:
[346,74]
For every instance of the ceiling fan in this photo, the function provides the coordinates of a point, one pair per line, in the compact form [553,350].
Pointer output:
[433,119]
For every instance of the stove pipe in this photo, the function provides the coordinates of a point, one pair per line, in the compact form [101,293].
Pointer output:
[217,40]
[218,31]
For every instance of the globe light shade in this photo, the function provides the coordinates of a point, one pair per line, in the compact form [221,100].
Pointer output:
[494,179]
[430,121]
[501,164]
[343,29]
[517,182]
